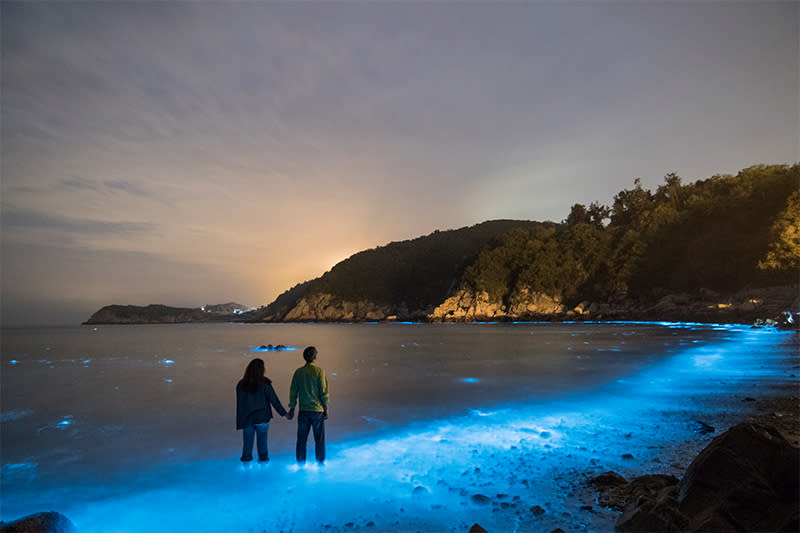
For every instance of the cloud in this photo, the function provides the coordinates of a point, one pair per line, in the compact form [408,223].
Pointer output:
[128,187]
[79,183]
[31,219]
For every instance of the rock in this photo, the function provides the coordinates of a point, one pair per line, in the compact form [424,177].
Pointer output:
[537,510]
[49,522]
[616,493]
[582,308]
[703,428]
[745,480]
[419,490]
[671,303]
[708,294]
[480,499]
[608,480]
[325,307]
[659,513]
[476,528]
[748,306]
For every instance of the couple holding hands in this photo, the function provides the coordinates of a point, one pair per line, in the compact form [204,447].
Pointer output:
[255,398]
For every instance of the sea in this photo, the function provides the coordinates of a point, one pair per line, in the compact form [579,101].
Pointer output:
[432,427]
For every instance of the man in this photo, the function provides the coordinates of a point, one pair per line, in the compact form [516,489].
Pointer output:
[310,386]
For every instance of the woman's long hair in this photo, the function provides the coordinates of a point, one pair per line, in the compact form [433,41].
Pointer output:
[254,375]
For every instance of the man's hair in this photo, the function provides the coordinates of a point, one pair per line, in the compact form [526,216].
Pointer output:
[309,353]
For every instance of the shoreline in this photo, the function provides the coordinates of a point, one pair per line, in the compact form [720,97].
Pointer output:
[549,471]
[774,404]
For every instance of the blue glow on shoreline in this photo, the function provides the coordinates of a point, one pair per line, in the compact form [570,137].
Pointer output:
[423,475]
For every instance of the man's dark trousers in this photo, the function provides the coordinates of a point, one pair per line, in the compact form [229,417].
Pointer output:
[310,420]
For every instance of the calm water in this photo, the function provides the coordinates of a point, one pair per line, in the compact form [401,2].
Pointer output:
[91,407]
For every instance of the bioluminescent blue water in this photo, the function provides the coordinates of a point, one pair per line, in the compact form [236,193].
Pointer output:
[431,428]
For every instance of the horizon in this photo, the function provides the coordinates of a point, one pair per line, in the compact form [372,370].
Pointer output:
[192,154]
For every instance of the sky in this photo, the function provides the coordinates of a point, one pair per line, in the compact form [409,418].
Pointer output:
[192,153]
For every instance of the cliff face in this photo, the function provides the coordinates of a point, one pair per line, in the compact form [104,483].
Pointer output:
[323,307]
[705,305]
[469,305]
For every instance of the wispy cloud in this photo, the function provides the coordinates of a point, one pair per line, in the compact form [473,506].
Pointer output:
[78,183]
[128,187]
[31,219]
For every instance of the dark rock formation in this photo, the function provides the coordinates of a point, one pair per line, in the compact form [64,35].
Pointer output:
[617,493]
[49,522]
[747,479]
[657,512]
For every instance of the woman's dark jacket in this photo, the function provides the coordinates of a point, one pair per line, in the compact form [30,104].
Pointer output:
[254,407]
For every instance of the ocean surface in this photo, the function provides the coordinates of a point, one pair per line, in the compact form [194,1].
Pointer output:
[126,428]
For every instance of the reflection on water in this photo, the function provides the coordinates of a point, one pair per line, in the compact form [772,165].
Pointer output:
[122,417]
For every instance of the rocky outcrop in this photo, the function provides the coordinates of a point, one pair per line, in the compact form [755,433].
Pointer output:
[746,479]
[325,308]
[49,522]
[472,305]
[615,492]
[708,306]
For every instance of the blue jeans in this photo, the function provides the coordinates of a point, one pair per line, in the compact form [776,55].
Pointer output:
[248,434]
[307,420]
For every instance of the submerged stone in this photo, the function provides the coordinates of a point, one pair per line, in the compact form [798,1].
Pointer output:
[48,522]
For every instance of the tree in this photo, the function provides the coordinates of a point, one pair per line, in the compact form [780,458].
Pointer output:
[631,206]
[784,250]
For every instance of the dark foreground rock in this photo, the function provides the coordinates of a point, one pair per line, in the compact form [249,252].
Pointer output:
[747,479]
[50,522]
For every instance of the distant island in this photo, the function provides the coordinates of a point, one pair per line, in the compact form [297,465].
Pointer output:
[163,314]
[724,249]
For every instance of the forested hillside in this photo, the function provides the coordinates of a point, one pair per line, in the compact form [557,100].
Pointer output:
[722,234]
[417,274]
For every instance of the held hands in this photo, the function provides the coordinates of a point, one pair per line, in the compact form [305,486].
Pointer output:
[290,414]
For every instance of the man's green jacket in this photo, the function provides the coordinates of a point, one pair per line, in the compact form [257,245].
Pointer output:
[310,386]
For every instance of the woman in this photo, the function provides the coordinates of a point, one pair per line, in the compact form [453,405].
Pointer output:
[254,398]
